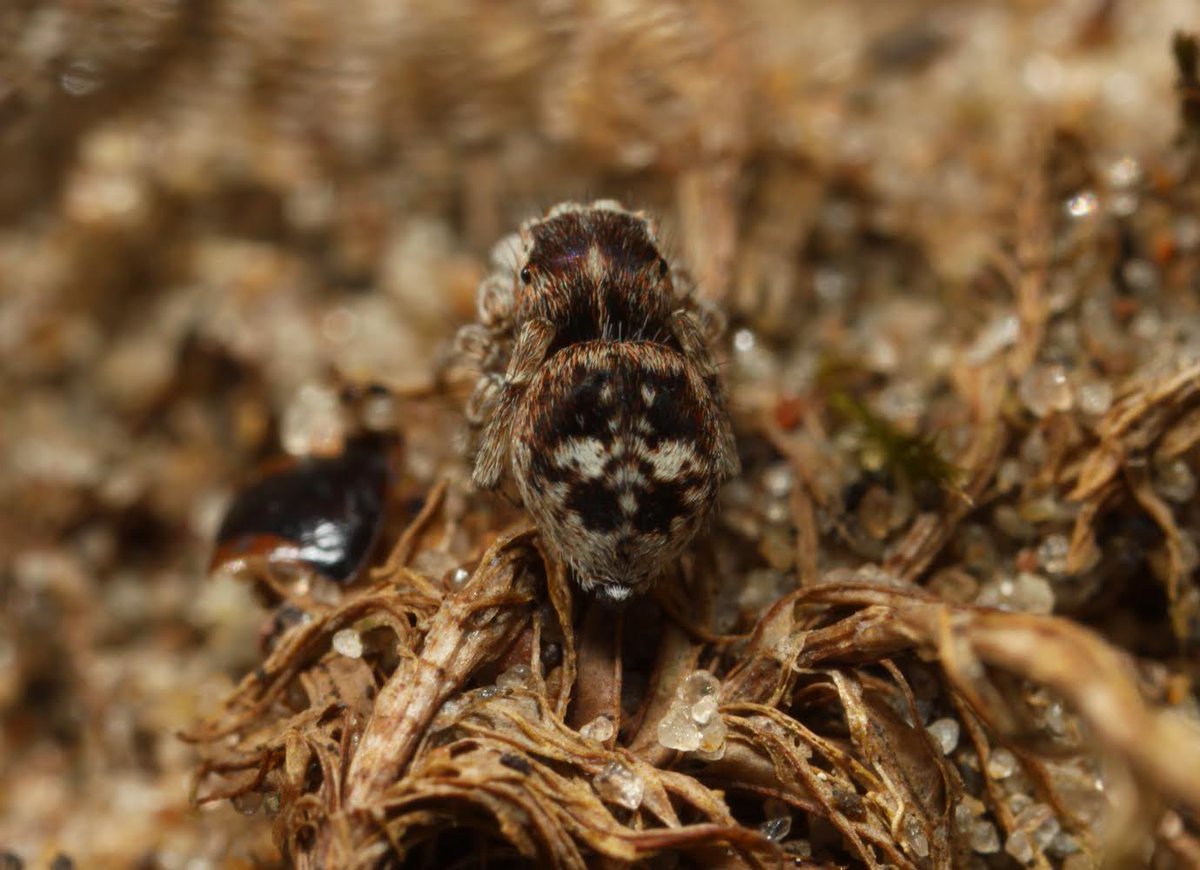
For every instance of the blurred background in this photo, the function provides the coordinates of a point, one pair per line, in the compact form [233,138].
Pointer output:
[208,208]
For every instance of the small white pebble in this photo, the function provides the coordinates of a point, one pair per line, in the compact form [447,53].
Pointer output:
[599,729]
[348,643]
[1020,846]
[516,677]
[618,784]
[983,838]
[312,421]
[1001,764]
[1046,389]
[945,734]
[1032,594]
[1095,397]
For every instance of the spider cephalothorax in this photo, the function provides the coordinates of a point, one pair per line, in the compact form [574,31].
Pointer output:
[598,393]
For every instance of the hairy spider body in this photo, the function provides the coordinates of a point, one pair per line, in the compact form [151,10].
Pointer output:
[598,393]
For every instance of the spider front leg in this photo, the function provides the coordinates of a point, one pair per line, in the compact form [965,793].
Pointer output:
[529,353]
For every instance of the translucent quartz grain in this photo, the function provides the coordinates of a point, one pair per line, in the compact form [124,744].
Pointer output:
[704,710]
[1046,389]
[312,422]
[1081,204]
[617,784]
[693,723]
[599,729]
[1020,846]
[1003,331]
[945,733]
[698,686]
[1095,397]
[916,836]
[1001,764]
[776,828]
[1032,594]
[516,677]
[1039,820]
[779,479]
[348,643]
[677,731]
[1175,481]
[1027,592]
[983,837]
[1052,553]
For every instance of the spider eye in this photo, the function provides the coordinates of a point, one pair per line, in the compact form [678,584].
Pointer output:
[663,267]
[526,275]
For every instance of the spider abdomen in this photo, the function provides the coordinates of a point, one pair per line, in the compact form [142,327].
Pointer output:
[614,454]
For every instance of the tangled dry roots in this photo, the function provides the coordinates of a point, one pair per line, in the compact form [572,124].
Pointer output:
[463,708]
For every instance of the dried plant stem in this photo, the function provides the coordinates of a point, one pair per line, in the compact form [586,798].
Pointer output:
[470,626]
[600,667]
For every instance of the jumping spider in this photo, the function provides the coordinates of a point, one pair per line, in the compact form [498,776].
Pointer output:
[598,392]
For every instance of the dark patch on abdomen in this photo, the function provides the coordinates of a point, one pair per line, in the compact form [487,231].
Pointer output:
[658,506]
[595,504]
